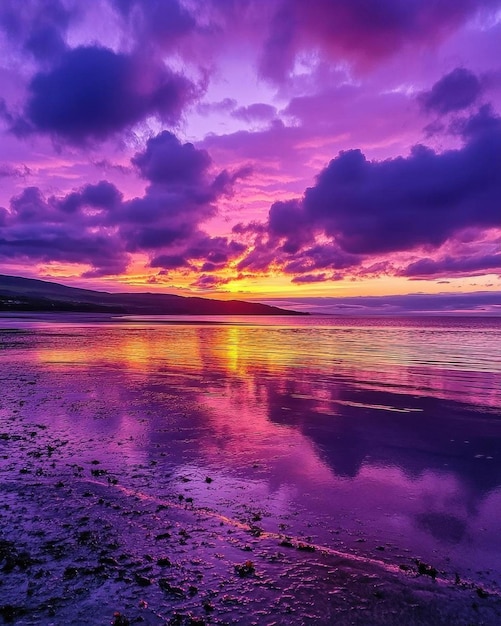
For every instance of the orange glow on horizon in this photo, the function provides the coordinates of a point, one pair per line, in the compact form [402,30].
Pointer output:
[273,284]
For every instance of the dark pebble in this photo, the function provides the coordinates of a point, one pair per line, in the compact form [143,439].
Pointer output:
[142,581]
[172,590]
[163,536]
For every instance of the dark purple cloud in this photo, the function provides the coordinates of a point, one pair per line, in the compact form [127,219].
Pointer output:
[94,225]
[170,261]
[300,262]
[93,92]
[370,208]
[216,250]
[309,279]
[450,266]
[30,206]
[251,228]
[167,161]
[453,92]
[46,42]
[182,194]
[484,123]
[36,229]
[213,252]
[9,171]
[37,26]
[359,31]
[205,281]
[103,195]
[360,213]
[321,257]
[259,259]
[289,221]
[183,172]
[162,22]
[281,31]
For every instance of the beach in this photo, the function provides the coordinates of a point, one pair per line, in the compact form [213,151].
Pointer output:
[245,471]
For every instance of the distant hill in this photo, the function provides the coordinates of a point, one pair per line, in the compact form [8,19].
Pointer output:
[26,294]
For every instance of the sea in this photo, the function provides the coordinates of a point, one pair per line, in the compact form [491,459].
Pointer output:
[367,435]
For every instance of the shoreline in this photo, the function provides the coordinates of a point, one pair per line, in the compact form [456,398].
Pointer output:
[114,548]
[243,476]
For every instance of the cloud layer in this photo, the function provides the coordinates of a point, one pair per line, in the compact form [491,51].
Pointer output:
[228,145]
[362,209]
[94,92]
[95,226]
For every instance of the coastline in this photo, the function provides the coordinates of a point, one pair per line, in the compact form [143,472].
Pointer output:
[247,474]
[114,548]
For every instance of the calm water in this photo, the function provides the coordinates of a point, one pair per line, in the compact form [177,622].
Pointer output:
[359,434]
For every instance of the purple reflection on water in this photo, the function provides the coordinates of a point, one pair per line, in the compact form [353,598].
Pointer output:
[357,437]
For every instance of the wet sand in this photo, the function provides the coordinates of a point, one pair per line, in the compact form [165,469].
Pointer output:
[109,515]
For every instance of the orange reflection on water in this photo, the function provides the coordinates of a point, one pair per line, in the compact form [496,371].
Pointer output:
[389,428]
[424,362]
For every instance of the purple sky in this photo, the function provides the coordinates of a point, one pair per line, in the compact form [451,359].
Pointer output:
[333,148]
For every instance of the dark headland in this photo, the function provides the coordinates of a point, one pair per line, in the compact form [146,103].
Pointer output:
[25,294]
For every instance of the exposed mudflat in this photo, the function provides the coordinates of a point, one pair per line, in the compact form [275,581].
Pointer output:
[107,515]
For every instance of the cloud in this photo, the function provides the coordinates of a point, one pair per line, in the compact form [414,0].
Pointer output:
[167,161]
[361,32]
[309,278]
[103,195]
[369,208]
[92,92]
[162,22]
[453,92]
[95,226]
[37,27]
[283,31]
[251,228]
[209,282]
[320,257]
[450,266]
[10,171]
[181,196]
[216,250]
[258,112]
[169,261]
[37,229]
[288,220]
[363,217]
[222,106]
[212,253]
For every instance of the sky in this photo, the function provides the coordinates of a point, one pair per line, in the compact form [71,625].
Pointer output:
[284,151]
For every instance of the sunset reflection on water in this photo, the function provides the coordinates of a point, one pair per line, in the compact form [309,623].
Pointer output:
[389,432]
